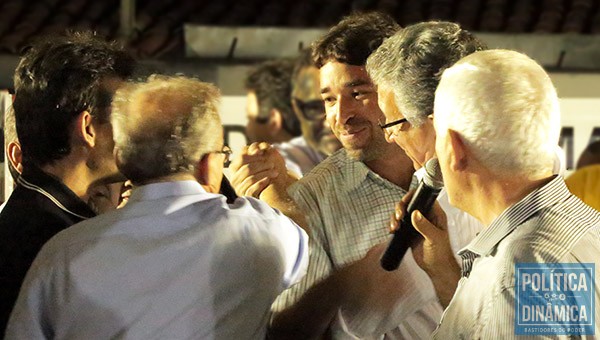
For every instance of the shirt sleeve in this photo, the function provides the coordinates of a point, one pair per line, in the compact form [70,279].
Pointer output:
[320,265]
[30,318]
[498,319]
[291,240]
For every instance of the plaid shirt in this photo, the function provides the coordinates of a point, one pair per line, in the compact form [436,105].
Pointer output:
[348,207]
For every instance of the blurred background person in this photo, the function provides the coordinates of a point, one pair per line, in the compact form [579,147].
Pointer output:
[64,87]
[177,261]
[317,141]
[269,110]
[585,181]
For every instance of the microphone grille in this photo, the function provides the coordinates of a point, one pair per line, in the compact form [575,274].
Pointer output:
[433,174]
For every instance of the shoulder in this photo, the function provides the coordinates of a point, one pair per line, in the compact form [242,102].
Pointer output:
[324,172]
[551,235]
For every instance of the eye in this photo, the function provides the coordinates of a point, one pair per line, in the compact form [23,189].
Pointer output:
[360,95]
[329,100]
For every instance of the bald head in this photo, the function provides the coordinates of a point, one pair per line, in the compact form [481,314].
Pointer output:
[504,107]
[164,126]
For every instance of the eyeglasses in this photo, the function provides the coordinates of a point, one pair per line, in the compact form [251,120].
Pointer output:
[385,126]
[226,150]
[312,109]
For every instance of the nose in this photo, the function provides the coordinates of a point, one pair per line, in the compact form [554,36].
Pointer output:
[345,109]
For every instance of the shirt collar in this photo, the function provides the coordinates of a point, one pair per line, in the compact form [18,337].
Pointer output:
[354,172]
[59,194]
[160,190]
[486,241]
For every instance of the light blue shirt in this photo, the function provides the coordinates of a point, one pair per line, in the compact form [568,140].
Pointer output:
[176,262]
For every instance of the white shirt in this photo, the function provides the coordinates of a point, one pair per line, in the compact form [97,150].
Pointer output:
[176,262]
[299,156]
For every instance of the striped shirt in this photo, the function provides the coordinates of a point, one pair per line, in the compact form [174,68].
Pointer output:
[549,225]
[348,207]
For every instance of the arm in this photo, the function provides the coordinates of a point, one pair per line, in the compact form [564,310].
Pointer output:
[310,316]
[260,172]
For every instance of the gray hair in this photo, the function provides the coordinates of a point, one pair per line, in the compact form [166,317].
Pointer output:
[164,126]
[505,108]
[411,62]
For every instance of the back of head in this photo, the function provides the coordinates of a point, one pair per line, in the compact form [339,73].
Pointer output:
[164,126]
[505,108]
[58,78]
[590,156]
[412,61]
[271,81]
[354,38]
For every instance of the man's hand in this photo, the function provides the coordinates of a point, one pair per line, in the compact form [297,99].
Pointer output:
[255,168]
[260,171]
[434,253]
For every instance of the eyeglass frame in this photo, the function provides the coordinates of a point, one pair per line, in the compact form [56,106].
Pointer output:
[226,150]
[303,104]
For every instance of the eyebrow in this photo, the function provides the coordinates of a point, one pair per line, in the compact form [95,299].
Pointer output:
[352,83]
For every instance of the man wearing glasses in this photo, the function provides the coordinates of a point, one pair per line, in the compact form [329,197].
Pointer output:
[177,261]
[317,141]
[407,68]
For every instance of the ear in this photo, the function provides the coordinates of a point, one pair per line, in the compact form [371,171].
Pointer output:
[117,156]
[84,129]
[275,121]
[458,152]
[15,155]
[202,170]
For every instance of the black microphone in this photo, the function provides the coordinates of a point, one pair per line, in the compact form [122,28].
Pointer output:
[425,195]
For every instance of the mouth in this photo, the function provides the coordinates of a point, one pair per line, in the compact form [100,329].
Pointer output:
[352,134]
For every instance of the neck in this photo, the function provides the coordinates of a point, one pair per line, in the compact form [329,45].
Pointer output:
[181,176]
[73,173]
[491,196]
[281,137]
[394,166]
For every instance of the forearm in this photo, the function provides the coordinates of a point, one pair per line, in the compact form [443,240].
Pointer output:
[276,196]
[310,316]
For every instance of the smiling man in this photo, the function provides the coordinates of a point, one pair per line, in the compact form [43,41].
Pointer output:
[347,200]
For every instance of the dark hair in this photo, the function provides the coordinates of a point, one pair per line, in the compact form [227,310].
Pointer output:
[593,148]
[58,78]
[354,38]
[271,82]
[413,60]
[303,60]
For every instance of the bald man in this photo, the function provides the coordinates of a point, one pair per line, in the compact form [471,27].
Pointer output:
[177,261]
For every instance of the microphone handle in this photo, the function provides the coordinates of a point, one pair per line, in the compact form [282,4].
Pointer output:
[406,234]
